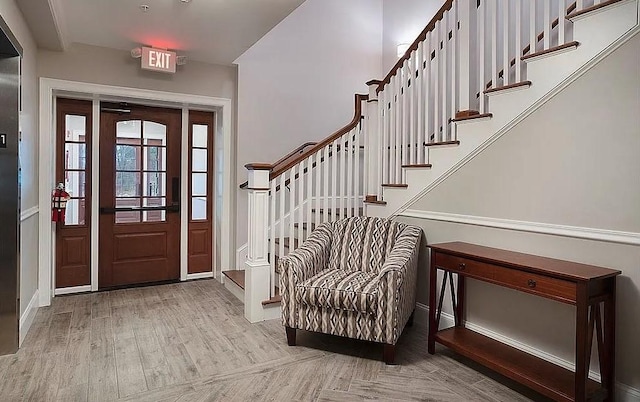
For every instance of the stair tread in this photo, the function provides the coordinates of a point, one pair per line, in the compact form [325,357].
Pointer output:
[236,276]
[419,165]
[510,86]
[592,8]
[550,50]
[377,202]
[436,144]
[305,225]
[331,211]
[396,185]
[473,117]
[277,298]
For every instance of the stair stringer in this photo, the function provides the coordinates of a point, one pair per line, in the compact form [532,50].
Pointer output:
[599,34]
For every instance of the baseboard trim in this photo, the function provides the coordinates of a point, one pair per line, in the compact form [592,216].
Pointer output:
[624,392]
[71,290]
[28,213]
[611,236]
[200,275]
[26,319]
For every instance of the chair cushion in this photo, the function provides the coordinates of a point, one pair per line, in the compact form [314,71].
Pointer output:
[341,290]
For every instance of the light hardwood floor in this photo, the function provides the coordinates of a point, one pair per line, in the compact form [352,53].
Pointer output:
[190,342]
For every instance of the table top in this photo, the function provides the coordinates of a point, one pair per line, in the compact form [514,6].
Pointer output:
[547,266]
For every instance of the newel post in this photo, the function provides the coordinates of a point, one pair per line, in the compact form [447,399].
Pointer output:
[257,272]
[373,163]
[467,67]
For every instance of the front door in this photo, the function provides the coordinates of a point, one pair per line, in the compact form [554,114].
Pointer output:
[139,195]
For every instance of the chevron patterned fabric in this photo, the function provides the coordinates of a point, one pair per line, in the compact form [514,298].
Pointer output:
[354,277]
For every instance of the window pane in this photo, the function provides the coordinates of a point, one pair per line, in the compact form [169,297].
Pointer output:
[199,184]
[75,128]
[155,159]
[198,208]
[74,156]
[127,157]
[154,216]
[154,185]
[199,160]
[75,212]
[154,133]
[127,184]
[200,134]
[127,217]
[128,132]
[75,183]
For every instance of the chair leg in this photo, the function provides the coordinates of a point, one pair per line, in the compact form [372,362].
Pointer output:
[389,354]
[291,336]
[410,322]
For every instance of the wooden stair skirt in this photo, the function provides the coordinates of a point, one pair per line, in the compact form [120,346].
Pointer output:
[237,277]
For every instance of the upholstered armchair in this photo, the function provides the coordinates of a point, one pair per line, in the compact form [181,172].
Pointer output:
[355,278]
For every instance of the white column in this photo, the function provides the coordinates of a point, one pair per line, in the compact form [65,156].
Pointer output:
[257,272]
[372,170]
[466,55]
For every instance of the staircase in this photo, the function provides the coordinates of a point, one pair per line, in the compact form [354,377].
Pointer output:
[477,69]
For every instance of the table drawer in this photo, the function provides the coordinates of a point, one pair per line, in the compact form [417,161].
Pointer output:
[464,266]
[554,288]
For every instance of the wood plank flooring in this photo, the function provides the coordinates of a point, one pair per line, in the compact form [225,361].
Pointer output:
[190,342]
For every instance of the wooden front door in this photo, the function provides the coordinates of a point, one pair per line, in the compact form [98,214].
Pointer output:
[139,195]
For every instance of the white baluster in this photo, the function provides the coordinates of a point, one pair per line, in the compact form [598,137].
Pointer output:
[357,173]
[385,116]
[419,100]
[325,189]
[301,186]
[350,151]
[405,115]
[346,143]
[562,13]
[482,19]
[392,129]
[533,34]
[444,39]
[579,5]
[398,129]
[283,201]
[518,41]
[272,235]
[493,24]
[312,174]
[412,108]
[292,207]
[547,24]
[318,178]
[427,90]
[506,60]
[455,79]
[436,84]
[334,180]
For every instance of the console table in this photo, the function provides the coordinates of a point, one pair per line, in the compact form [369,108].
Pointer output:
[585,286]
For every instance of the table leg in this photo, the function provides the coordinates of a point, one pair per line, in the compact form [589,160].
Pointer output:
[431,342]
[460,297]
[608,372]
[582,344]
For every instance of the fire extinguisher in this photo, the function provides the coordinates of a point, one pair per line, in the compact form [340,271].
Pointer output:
[59,199]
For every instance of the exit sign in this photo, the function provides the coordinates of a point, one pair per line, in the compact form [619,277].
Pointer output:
[158,60]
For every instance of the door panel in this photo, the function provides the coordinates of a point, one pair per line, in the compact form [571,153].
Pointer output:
[73,169]
[139,217]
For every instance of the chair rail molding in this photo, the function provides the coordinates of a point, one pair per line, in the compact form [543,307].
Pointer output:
[605,235]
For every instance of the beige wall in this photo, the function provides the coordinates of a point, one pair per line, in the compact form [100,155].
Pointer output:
[28,152]
[572,162]
[100,65]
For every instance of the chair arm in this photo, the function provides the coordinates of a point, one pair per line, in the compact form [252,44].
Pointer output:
[397,283]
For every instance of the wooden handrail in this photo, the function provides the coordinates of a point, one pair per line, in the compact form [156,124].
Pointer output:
[276,172]
[414,46]
[283,159]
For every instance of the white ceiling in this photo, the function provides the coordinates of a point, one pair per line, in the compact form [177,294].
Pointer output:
[213,31]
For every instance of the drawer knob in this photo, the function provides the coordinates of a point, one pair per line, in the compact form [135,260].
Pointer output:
[462,266]
[531,283]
